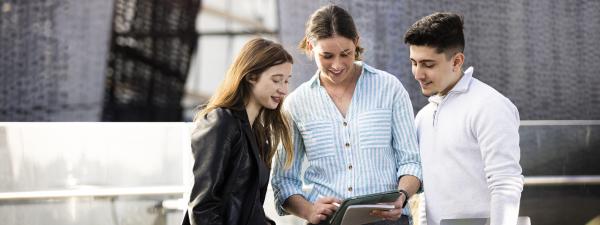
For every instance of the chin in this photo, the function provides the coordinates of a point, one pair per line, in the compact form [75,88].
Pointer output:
[426,93]
[272,107]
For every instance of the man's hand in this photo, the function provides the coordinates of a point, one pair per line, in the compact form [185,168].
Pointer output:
[321,209]
[393,214]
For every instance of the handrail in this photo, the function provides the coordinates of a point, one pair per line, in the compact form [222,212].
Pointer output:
[562,180]
[93,192]
[179,190]
[560,122]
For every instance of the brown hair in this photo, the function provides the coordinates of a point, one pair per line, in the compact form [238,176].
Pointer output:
[271,125]
[327,21]
[441,30]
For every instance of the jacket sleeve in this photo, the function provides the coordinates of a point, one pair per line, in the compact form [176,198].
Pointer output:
[212,141]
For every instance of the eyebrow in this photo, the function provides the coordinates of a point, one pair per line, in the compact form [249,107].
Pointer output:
[423,61]
[346,51]
[279,75]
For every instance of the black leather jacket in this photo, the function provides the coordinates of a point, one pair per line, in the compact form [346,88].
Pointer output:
[230,179]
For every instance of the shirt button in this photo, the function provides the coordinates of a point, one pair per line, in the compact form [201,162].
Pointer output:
[350,167]
[345,124]
[350,189]
[347,145]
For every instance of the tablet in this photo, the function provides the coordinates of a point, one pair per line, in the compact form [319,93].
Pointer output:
[370,199]
[522,220]
[361,214]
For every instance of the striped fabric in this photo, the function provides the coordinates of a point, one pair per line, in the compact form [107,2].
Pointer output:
[364,153]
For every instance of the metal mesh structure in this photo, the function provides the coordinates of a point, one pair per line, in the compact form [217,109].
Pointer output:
[151,47]
[537,53]
[53,59]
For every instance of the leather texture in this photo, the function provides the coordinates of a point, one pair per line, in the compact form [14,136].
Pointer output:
[230,179]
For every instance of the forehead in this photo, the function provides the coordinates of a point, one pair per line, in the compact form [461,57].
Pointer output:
[422,52]
[284,69]
[334,44]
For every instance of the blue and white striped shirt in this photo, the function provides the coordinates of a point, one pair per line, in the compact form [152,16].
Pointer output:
[364,153]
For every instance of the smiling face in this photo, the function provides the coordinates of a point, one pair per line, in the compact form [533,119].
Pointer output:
[271,86]
[335,58]
[435,73]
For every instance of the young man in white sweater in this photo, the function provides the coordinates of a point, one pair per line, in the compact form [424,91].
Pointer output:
[468,133]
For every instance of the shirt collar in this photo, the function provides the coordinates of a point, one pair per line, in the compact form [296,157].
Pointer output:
[461,86]
[315,82]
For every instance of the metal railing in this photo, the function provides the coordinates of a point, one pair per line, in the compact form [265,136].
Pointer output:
[561,180]
[94,192]
[179,190]
[560,122]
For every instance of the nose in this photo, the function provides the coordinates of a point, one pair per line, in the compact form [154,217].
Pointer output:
[336,65]
[418,72]
[283,90]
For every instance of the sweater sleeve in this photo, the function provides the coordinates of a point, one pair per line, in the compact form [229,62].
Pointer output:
[496,127]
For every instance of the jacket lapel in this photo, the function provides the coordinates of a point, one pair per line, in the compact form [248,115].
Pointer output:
[254,151]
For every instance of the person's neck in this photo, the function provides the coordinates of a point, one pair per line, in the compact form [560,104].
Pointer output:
[252,109]
[449,88]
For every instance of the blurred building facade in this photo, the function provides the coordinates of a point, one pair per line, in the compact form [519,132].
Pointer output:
[53,67]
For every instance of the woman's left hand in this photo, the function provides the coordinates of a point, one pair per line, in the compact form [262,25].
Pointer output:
[393,214]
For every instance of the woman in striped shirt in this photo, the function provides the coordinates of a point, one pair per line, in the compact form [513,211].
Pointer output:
[353,123]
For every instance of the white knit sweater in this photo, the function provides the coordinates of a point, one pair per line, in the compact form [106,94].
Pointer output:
[469,144]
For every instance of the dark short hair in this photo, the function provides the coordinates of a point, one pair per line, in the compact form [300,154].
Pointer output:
[441,30]
[327,21]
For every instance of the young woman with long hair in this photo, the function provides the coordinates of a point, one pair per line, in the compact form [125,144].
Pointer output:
[236,135]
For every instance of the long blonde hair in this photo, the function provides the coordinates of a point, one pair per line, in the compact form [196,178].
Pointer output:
[271,125]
